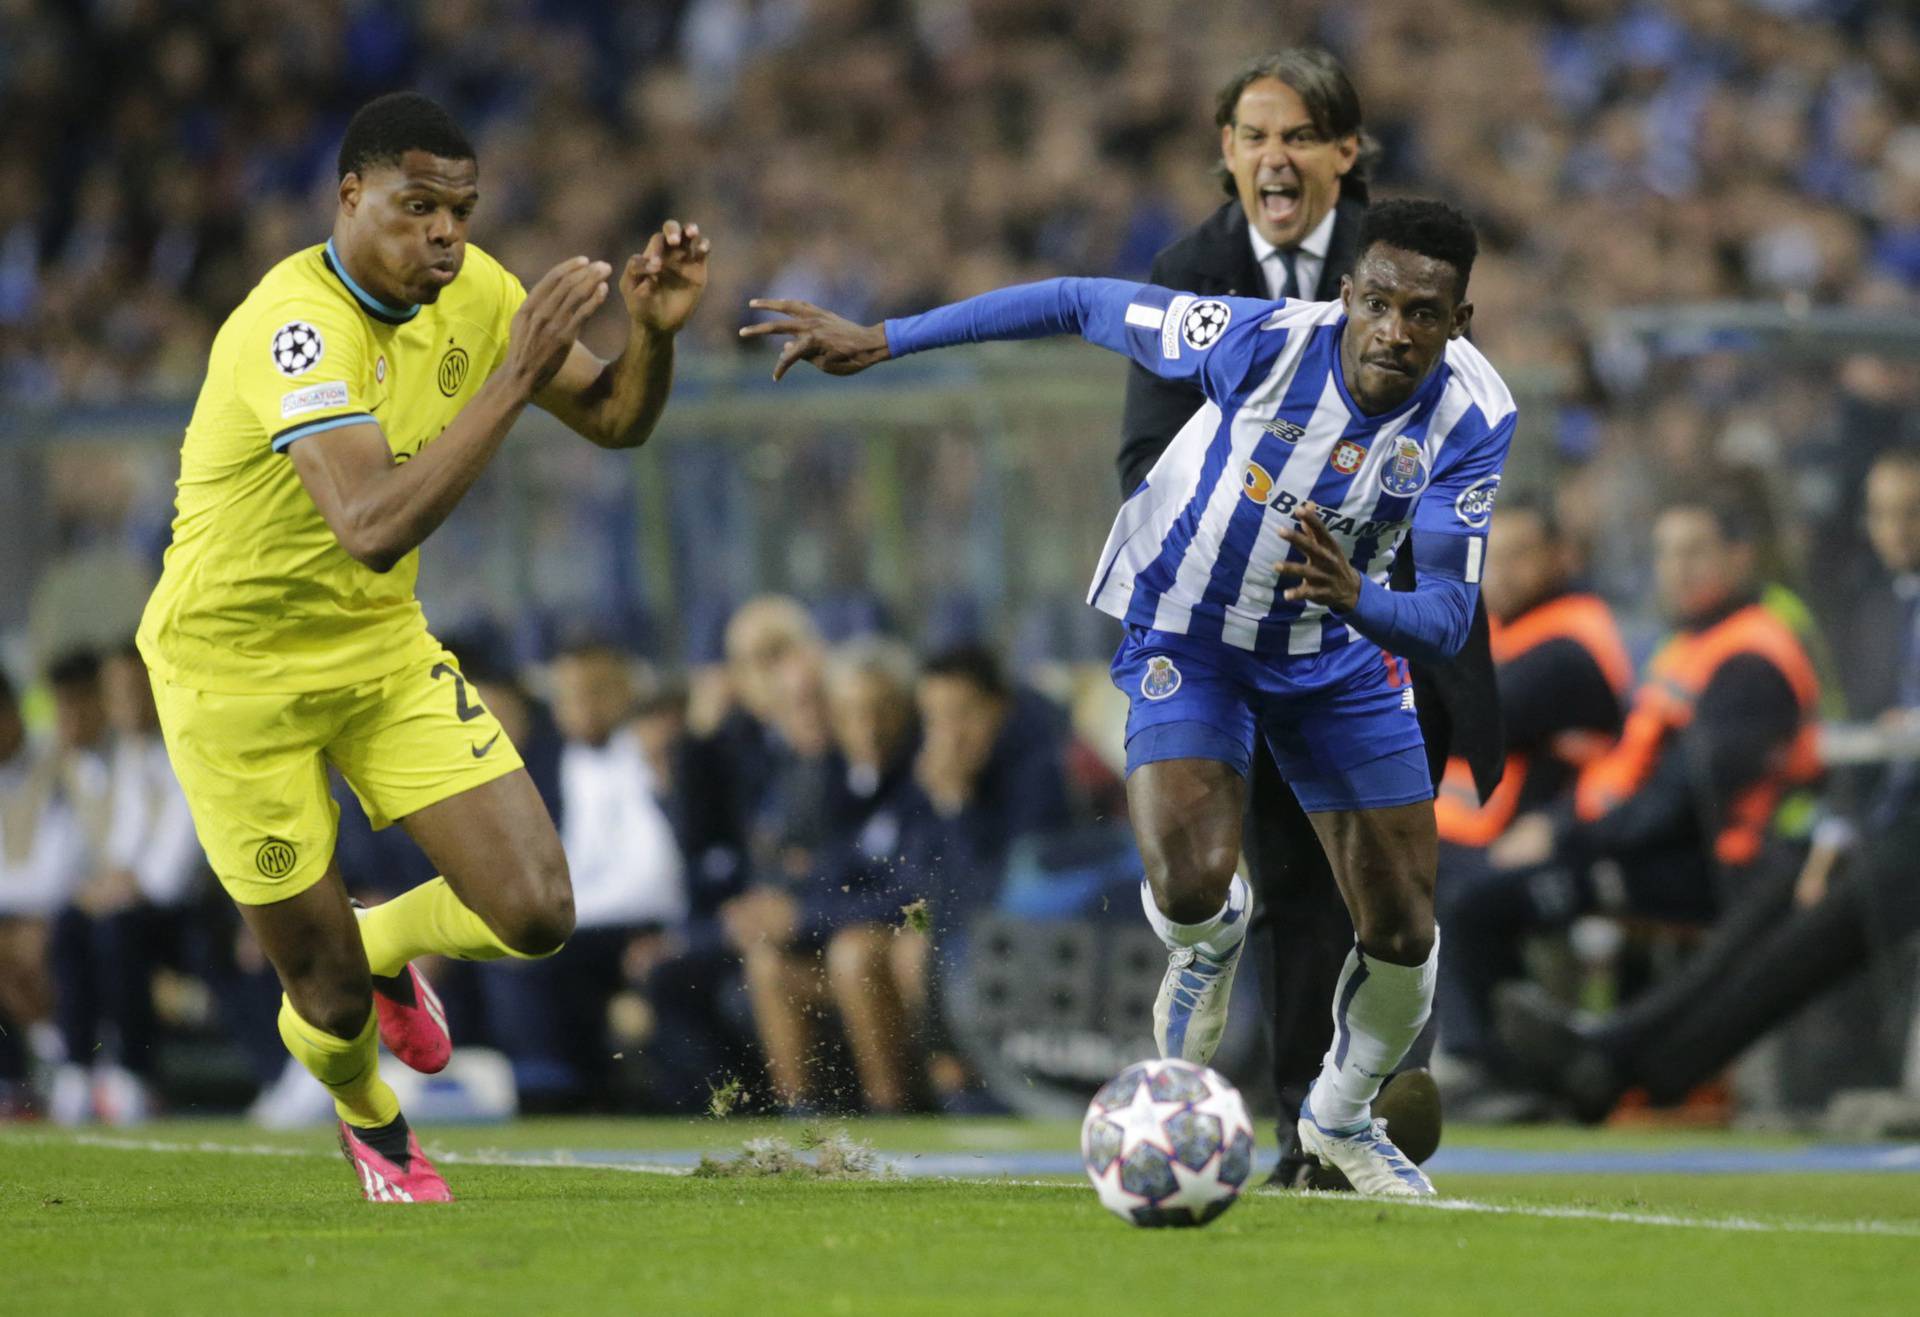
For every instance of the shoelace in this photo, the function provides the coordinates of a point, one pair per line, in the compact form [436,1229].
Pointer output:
[1194,979]
[1383,1147]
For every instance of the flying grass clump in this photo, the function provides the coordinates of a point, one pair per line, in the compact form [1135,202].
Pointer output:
[724,1099]
[819,1155]
[916,918]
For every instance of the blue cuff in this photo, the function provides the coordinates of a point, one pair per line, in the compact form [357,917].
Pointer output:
[287,436]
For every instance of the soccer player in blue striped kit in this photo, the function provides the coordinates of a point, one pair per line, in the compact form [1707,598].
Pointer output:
[1250,570]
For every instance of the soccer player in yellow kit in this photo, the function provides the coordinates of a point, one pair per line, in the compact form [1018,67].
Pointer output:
[350,401]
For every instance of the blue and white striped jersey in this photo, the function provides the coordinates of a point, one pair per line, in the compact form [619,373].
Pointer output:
[1193,551]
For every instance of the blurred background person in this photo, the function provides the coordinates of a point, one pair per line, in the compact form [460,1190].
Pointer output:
[1787,938]
[551,1016]
[1678,813]
[138,911]
[832,940]
[1564,678]
[43,858]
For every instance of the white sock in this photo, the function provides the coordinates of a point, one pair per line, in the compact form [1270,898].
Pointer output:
[1378,1010]
[1214,938]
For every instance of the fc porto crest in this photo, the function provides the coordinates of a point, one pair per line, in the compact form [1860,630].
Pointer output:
[1348,455]
[1162,678]
[1405,473]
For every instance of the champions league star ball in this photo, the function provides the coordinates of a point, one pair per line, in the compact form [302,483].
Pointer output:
[1167,1143]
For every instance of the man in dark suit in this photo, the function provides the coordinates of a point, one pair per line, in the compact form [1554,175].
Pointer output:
[1294,157]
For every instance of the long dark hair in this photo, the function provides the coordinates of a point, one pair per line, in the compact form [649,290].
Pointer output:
[1320,80]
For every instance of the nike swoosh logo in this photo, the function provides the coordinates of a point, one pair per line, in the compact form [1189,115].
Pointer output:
[480,751]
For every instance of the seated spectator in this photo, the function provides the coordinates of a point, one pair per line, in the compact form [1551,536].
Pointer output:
[992,765]
[628,886]
[1791,937]
[723,766]
[1721,726]
[42,858]
[1564,677]
[137,910]
[84,1082]
[831,933]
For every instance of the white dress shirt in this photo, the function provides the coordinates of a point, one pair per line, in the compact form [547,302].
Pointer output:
[43,848]
[151,829]
[1309,259]
[620,847]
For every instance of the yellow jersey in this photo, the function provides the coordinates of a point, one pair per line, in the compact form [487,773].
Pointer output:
[256,594]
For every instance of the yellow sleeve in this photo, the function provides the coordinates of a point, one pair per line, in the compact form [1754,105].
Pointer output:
[512,294]
[303,367]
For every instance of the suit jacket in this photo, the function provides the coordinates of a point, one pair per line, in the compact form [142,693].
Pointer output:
[1458,701]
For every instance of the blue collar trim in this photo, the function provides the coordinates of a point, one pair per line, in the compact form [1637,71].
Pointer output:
[379,310]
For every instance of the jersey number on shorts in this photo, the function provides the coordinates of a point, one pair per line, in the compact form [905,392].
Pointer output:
[467,712]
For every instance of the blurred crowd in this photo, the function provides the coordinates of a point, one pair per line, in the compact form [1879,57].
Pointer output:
[882,155]
[771,861]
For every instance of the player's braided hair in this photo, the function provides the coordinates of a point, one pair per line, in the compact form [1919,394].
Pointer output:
[387,127]
[1427,228]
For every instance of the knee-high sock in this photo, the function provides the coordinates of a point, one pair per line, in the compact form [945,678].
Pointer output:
[348,1067]
[1215,937]
[427,921]
[1378,1011]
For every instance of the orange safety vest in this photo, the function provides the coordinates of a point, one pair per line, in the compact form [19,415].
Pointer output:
[1664,705]
[1463,819]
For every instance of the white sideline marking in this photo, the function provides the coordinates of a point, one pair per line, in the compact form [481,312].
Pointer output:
[1736,1224]
[1733,1224]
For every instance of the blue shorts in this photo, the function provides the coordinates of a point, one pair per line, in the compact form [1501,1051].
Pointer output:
[1341,724]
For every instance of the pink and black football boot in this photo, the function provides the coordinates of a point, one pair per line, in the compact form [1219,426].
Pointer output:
[404,1177]
[413,1023]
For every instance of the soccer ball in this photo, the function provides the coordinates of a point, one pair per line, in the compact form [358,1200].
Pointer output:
[1167,1143]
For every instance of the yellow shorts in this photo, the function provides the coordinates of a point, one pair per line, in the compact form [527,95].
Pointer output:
[254,767]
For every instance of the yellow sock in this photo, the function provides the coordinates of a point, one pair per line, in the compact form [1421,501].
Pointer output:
[349,1067]
[427,921]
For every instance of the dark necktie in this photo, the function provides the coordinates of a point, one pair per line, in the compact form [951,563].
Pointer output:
[1290,283]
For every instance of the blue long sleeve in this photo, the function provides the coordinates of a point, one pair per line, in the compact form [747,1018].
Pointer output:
[1213,343]
[1429,623]
[1036,310]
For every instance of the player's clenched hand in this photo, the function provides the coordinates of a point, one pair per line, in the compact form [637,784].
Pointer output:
[1325,577]
[662,284]
[833,343]
[548,322]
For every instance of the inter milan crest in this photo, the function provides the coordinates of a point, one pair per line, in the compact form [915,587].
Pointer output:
[1347,456]
[453,370]
[1405,473]
[1203,323]
[1162,678]
[297,348]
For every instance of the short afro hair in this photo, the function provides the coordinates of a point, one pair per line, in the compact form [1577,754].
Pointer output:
[1426,228]
[387,127]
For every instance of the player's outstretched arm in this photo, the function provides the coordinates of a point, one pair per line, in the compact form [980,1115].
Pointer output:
[617,403]
[380,510]
[1128,318]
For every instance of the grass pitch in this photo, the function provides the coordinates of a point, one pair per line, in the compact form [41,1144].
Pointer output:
[195,1217]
